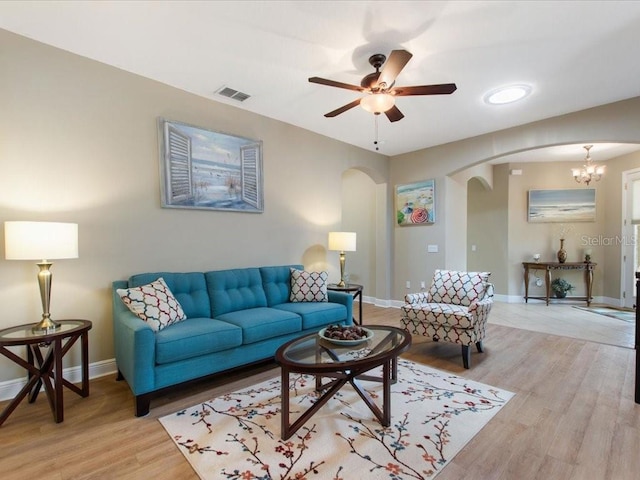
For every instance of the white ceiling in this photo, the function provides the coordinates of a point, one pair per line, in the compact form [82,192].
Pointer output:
[574,54]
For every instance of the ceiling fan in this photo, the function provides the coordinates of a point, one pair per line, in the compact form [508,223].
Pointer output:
[380,89]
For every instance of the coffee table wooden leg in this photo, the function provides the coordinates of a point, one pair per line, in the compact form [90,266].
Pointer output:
[284,410]
[389,374]
[290,429]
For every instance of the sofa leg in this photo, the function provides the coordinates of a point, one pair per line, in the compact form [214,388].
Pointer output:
[143,403]
[466,356]
[479,346]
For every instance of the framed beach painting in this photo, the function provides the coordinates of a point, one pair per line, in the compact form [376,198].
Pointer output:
[568,205]
[416,203]
[209,170]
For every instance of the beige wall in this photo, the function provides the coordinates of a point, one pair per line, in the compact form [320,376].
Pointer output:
[527,238]
[498,218]
[616,122]
[79,144]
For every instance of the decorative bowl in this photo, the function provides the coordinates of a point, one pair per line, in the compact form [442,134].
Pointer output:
[347,343]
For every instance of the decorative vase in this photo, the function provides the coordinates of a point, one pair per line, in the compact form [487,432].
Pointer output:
[562,253]
[560,294]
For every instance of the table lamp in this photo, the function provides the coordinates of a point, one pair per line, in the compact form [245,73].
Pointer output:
[342,242]
[43,241]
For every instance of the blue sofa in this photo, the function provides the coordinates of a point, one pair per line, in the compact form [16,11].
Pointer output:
[234,318]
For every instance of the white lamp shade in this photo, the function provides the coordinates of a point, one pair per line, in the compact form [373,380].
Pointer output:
[40,240]
[342,241]
[378,102]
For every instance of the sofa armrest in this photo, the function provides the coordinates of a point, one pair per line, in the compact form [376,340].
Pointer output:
[135,344]
[345,299]
[413,298]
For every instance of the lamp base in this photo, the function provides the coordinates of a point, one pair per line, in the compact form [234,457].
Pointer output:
[45,325]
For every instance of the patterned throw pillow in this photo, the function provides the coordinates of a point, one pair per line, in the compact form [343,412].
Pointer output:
[154,303]
[308,286]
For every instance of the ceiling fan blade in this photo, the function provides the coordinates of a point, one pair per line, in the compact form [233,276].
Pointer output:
[343,109]
[333,83]
[441,89]
[393,66]
[394,114]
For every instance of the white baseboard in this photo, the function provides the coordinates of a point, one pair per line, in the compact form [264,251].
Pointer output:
[10,388]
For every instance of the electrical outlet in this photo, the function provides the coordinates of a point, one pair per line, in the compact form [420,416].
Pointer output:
[408,284]
[422,285]
[432,248]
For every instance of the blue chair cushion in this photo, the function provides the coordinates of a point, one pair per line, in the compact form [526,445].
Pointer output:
[194,337]
[262,323]
[190,289]
[277,283]
[233,290]
[316,314]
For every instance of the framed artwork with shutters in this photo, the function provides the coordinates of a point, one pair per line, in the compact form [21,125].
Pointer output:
[209,170]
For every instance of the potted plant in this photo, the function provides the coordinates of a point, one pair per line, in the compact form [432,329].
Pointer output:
[560,287]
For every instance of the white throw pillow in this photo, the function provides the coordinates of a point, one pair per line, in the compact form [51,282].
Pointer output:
[308,286]
[154,303]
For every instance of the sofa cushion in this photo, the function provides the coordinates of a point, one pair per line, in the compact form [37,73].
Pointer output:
[457,288]
[262,323]
[195,337]
[190,289]
[154,303]
[276,282]
[316,315]
[308,286]
[233,290]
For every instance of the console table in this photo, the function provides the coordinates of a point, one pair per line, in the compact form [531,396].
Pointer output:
[588,268]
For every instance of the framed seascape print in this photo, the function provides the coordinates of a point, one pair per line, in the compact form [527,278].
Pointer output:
[568,205]
[415,203]
[209,170]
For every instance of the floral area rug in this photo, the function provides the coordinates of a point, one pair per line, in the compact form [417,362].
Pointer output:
[434,414]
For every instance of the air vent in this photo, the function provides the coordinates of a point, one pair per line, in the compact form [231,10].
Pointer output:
[231,93]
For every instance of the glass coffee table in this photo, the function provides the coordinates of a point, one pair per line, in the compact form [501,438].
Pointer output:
[342,364]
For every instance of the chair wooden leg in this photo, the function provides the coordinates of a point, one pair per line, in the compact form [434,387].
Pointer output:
[466,356]
[479,346]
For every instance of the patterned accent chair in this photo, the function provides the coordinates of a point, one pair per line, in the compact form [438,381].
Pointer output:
[454,309]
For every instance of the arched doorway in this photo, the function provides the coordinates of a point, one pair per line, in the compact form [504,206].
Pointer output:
[365,210]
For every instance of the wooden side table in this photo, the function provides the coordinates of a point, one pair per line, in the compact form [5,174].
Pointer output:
[355,290]
[44,362]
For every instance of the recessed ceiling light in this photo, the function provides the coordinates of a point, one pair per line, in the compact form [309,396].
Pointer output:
[509,94]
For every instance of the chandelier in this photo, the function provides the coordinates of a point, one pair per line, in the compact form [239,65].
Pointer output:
[589,170]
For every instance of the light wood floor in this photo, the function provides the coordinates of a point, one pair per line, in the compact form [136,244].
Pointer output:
[573,415]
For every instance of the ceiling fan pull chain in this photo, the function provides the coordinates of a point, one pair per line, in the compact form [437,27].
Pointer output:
[375,120]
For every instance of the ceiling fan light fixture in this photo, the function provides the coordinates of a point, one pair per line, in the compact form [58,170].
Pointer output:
[378,102]
[504,95]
